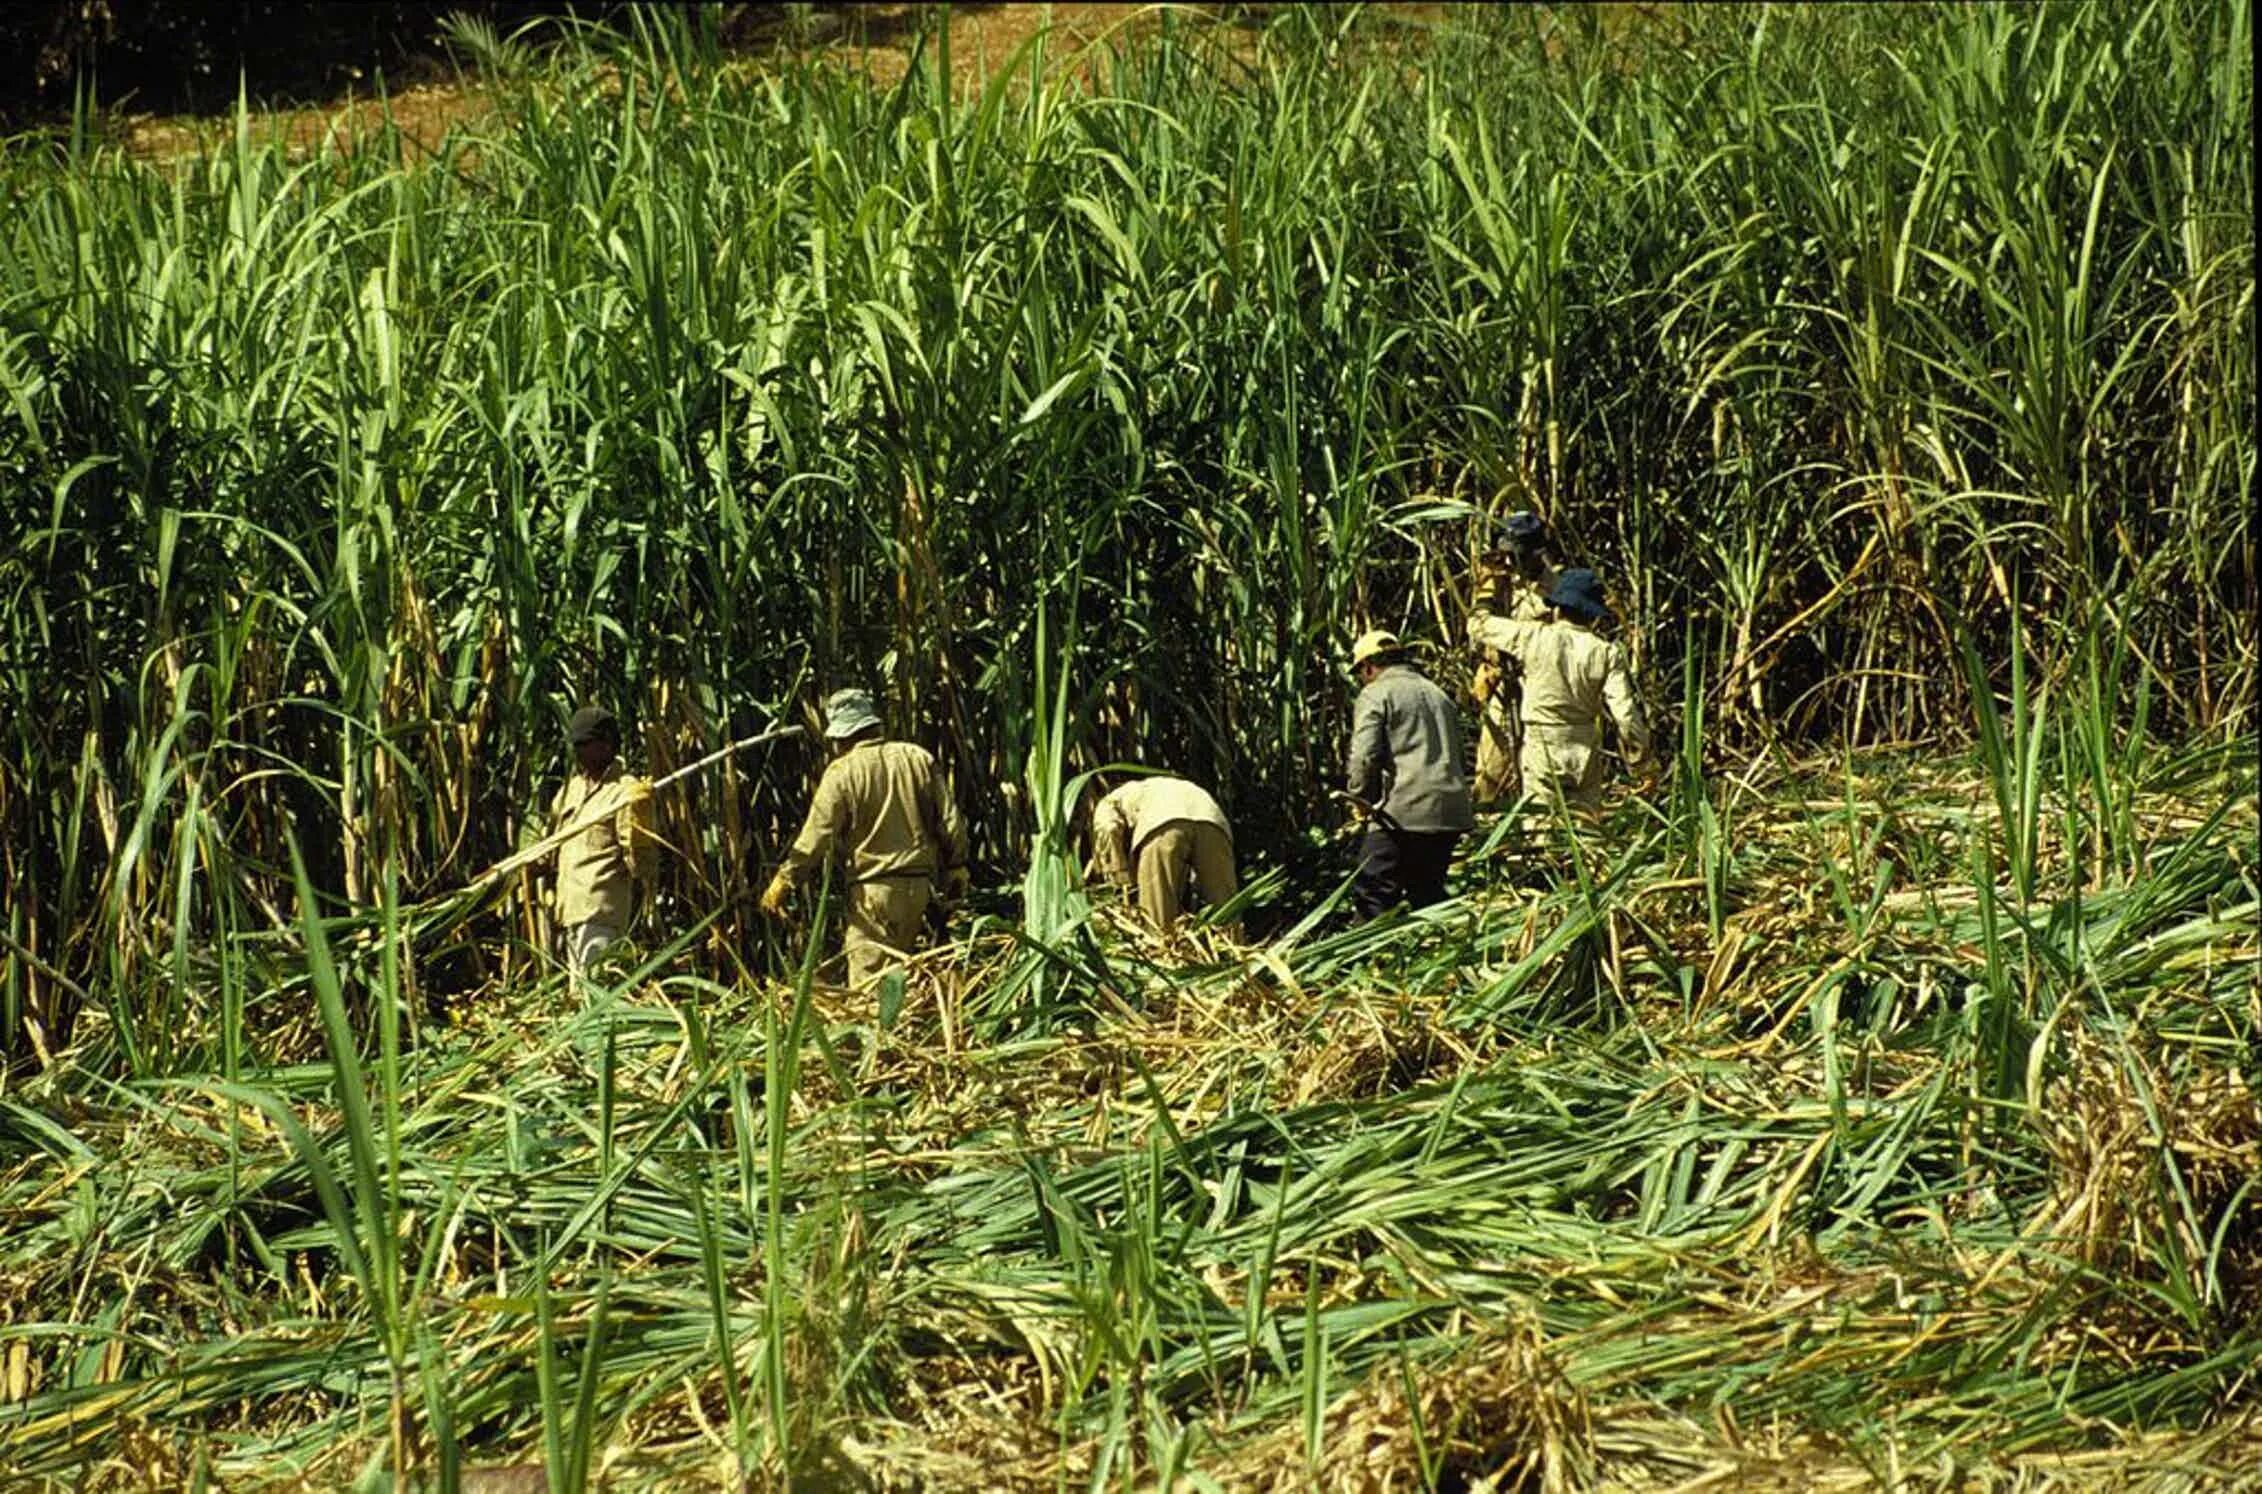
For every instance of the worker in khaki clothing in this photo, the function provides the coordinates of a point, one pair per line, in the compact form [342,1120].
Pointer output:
[606,869]
[1161,835]
[882,809]
[1572,677]
[1511,582]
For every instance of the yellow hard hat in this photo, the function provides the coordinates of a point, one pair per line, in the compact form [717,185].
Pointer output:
[1375,643]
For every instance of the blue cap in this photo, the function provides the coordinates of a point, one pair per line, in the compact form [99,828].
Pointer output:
[1522,526]
[1579,592]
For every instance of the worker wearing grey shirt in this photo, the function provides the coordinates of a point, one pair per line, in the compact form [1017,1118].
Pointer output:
[1406,769]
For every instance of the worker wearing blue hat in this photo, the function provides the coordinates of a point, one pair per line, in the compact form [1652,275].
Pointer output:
[1572,678]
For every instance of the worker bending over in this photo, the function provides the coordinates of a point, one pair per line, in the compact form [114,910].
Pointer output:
[1160,835]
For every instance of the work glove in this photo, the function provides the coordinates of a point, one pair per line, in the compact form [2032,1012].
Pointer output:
[774,896]
[1483,683]
[956,883]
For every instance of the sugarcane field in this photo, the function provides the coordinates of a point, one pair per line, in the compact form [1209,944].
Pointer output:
[1369,748]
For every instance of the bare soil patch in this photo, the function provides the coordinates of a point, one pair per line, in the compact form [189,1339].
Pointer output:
[881,39]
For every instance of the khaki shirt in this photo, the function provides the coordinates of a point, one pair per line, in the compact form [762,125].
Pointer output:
[1130,815]
[1406,753]
[883,808]
[599,868]
[1571,676]
[1527,602]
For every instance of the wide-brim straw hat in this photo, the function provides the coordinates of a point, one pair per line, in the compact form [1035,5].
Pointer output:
[849,712]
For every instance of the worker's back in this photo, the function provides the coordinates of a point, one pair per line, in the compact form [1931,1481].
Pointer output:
[1148,804]
[882,807]
[1565,670]
[1406,753]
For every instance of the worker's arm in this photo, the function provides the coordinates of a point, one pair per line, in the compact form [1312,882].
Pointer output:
[634,826]
[949,829]
[1510,636]
[1366,776]
[1111,841]
[552,823]
[821,831]
[1625,709]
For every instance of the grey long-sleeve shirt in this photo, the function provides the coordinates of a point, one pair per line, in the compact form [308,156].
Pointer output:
[1406,753]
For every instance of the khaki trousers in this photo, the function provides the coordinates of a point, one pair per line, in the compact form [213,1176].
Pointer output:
[585,941]
[885,918]
[1183,851]
[1497,757]
[1562,760]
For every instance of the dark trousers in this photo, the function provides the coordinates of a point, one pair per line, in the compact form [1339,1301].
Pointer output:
[1401,866]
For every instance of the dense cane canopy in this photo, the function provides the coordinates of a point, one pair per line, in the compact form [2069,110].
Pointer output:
[340,481]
